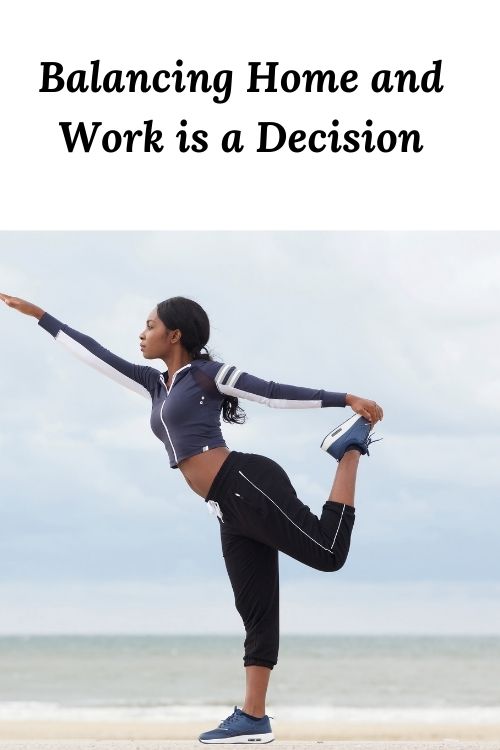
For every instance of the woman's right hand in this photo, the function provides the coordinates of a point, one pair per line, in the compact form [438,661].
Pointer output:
[368,409]
[21,305]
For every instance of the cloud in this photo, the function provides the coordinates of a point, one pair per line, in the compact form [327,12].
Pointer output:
[325,607]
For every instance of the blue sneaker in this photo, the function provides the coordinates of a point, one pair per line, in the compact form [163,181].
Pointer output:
[354,431]
[239,729]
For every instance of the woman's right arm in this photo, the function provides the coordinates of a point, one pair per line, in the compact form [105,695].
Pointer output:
[138,378]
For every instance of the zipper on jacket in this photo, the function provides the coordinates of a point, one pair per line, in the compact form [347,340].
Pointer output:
[173,378]
[166,430]
[163,404]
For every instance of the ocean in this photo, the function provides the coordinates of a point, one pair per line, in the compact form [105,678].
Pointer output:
[184,678]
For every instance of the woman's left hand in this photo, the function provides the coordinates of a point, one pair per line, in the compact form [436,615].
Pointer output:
[368,409]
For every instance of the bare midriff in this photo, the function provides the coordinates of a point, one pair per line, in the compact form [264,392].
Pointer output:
[200,471]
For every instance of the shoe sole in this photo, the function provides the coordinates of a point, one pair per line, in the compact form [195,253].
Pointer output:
[338,432]
[242,739]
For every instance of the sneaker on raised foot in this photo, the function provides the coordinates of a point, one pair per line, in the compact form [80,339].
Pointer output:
[239,728]
[355,431]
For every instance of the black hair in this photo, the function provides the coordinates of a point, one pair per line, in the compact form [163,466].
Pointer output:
[192,321]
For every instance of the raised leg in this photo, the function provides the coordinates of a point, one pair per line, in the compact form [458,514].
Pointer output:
[344,483]
[279,519]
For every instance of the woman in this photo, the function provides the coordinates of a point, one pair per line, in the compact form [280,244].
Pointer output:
[257,508]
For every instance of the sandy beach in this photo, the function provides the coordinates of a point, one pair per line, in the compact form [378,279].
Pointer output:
[42,735]
[129,693]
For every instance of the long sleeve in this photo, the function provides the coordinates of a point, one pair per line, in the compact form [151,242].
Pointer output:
[138,378]
[233,382]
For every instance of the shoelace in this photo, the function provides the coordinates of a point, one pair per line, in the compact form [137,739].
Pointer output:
[369,440]
[225,723]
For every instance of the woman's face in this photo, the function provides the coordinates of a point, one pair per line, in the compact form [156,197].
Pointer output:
[156,339]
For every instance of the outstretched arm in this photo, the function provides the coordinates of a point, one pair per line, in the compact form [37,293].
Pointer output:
[233,382]
[138,378]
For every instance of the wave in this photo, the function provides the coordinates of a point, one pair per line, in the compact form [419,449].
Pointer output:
[52,711]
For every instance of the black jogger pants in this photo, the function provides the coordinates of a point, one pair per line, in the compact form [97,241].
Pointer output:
[259,515]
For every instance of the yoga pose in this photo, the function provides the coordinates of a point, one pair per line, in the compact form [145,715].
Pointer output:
[255,503]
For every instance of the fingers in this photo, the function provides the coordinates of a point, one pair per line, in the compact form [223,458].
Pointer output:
[8,300]
[14,303]
[366,408]
[374,413]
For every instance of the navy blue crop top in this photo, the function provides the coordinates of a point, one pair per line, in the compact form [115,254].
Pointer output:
[186,416]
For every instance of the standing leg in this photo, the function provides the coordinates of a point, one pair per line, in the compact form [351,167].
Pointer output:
[253,572]
[255,697]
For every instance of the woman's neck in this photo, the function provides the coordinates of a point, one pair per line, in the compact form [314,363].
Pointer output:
[175,363]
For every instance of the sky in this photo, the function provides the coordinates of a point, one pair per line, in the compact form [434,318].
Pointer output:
[99,535]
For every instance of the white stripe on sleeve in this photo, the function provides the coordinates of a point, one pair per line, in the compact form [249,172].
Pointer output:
[221,374]
[276,403]
[98,364]
[234,377]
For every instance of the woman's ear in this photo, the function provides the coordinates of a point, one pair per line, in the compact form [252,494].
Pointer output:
[177,336]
